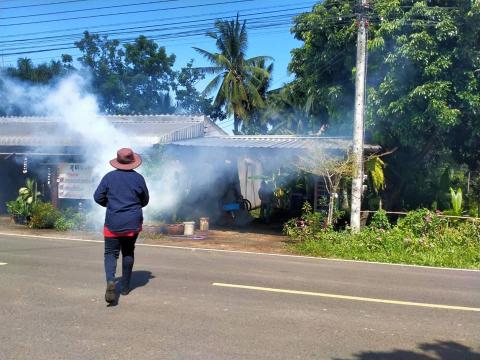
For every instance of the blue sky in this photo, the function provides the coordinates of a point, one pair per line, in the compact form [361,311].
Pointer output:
[172,21]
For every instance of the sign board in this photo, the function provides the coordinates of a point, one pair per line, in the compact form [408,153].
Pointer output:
[75,181]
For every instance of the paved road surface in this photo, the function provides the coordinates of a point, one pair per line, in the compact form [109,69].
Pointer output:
[52,307]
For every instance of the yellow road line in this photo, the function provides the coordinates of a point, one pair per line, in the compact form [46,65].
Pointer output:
[345,297]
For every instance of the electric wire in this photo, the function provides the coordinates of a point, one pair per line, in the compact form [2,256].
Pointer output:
[242,13]
[128,12]
[188,32]
[280,19]
[44,4]
[168,35]
[89,9]
[148,28]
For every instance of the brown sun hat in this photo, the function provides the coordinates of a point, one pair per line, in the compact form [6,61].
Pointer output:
[126,160]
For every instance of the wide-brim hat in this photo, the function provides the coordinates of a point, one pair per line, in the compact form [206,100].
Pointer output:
[126,160]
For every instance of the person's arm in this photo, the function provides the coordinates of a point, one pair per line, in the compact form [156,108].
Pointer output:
[100,195]
[144,195]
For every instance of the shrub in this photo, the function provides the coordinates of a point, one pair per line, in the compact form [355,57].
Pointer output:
[310,223]
[422,222]
[380,220]
[16,208]
[421,238]
[44,216]
[70,219]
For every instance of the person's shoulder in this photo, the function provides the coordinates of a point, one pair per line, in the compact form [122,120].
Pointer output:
[138,175]
[108,175]
[111,173]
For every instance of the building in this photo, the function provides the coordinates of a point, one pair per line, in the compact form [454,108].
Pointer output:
[41,146]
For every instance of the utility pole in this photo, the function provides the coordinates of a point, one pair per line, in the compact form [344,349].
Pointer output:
[357,150]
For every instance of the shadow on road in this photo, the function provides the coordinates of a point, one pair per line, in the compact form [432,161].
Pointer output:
[139,278]
[440,350]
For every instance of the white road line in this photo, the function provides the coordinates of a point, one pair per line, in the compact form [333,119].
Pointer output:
[243,252]
[2,263]
[346,297]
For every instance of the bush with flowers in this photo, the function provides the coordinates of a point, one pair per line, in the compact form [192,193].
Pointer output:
[422,237]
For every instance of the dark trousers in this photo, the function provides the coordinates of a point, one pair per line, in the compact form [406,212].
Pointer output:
[113,246]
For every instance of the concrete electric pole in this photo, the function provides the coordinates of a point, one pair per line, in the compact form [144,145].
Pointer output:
[357,150]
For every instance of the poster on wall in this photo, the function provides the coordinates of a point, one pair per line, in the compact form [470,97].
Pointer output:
[75,181]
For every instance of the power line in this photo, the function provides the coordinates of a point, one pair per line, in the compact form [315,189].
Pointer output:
[148,28]
[128,12]
[193,29]
[87,9]
[254,33]
[190,25]
[153,20]
[44,4]
[159,37]
[189,33]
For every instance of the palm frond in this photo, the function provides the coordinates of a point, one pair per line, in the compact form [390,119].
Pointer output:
[210,69]
[213,84]
[254,61]
[212,57]
[254,97]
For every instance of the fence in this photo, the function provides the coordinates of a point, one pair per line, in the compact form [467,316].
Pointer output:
[469,218]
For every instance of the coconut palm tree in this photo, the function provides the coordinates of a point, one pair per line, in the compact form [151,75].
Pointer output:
[237,79]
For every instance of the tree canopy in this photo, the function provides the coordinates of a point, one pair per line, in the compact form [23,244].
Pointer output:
[238,81]
[423,86]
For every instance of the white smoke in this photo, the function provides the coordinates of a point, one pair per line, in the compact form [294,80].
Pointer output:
[78,111]
[197,182]
[78,114]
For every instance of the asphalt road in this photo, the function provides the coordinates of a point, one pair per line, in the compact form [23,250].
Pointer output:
[194,304]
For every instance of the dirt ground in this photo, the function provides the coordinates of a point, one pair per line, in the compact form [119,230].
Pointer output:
[254,238]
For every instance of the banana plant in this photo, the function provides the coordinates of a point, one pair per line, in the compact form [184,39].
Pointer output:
[457,201]
[27,198]
[29,193]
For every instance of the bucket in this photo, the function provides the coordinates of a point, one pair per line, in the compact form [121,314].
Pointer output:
[189,228]
[204,223]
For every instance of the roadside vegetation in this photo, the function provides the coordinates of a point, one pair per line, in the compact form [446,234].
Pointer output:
[28,209]
[422,237]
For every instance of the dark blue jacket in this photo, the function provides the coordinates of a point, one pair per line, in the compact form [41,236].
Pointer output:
[123,193]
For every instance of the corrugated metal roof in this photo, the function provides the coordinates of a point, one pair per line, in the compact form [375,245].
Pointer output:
[147,130]
[269,141]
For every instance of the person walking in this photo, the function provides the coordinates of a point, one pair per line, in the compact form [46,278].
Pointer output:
[124,193]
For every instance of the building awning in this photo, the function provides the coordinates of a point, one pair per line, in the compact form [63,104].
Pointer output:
[279,142]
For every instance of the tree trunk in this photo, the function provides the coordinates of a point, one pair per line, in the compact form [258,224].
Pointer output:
[331,202]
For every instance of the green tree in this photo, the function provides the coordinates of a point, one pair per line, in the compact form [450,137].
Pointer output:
[237,78]
[427,92]
[27,72]
[135,78]
[323,88]
[42,73]
[423,85]
[189,99]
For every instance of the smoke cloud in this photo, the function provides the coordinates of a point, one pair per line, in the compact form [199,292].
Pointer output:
[76,110]
[201,181]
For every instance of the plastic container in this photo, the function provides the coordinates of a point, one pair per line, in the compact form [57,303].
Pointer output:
[189,228]
[231,207]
